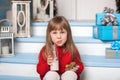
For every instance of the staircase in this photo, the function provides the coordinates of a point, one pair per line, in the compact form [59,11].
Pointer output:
[23,65]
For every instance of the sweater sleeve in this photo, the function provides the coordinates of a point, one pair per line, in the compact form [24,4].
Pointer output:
[42,66]
[78,61]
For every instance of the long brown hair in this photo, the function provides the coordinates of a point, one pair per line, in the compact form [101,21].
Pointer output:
[59,23]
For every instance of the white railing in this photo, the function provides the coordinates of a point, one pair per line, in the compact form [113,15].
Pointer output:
[5,29]
[4,35]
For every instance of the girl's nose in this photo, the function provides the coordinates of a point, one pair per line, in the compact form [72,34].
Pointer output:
[58,35]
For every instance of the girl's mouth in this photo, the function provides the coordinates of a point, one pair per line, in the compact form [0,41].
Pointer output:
[58,42]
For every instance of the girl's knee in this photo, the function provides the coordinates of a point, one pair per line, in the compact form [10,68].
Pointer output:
[69,75]
[51,75]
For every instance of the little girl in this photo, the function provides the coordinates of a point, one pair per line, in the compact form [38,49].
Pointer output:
[59,59]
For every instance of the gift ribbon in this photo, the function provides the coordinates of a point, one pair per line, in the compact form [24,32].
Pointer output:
[116,46]
[95,31]
[115,32]
[116,54]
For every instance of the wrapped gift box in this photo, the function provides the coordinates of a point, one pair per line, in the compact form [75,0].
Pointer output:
[113,54]
[100,16]
[109,32]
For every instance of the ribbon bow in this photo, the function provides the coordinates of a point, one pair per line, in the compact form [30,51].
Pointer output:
[109,18]
[108,10]
[115,45]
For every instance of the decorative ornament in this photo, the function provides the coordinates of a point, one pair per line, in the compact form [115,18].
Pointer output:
[21,18]
[44,10]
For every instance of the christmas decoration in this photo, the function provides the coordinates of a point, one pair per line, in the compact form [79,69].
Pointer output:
[109,18]
[44,10]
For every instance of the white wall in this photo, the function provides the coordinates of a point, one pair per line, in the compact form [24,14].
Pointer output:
[66,8]
[83,9]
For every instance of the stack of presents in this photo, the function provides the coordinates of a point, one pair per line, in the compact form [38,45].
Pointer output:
[107,28]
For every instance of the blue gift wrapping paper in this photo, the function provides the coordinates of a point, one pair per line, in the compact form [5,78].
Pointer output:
[109,32]
[100,16]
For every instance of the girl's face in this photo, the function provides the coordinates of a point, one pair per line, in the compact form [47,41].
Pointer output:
[59,37]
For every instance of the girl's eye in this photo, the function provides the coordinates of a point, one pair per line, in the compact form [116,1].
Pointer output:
[54,32]
[62,32]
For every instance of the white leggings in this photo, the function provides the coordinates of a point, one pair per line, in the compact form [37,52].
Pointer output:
[68,75]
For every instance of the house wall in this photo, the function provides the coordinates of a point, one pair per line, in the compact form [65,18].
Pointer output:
[83,9]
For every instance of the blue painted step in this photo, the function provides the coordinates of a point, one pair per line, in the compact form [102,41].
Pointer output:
[88,60]
[72,23]
[21,58]
[77,39]
[8,77]
[100,61]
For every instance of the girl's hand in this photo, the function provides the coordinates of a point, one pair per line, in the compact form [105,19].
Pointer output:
[49,60]
[75,68]
[72,66]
